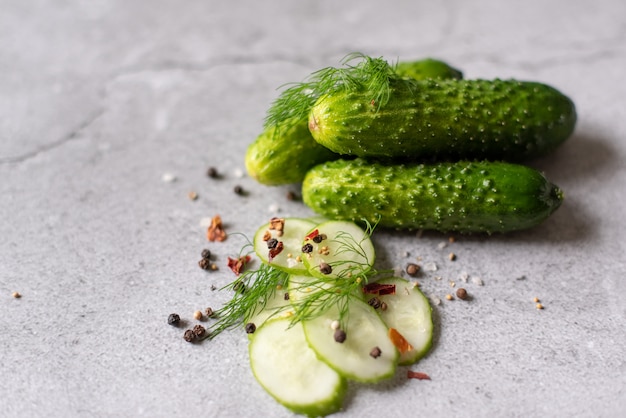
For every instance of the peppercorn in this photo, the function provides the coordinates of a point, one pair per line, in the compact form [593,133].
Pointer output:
[286,296]
[198,331]
[209,312]
[340,335]
[319,238]
[461,293]
[238,190]
[16,295]
[307,248]
[383,306]
[375,352]
[205,264]
[272,243]
[212,172]
[189,336]
[291,195]
[206,254]
[412,269]
[374,302]
[197,315]
[325,268]
[173,319]
[250,328]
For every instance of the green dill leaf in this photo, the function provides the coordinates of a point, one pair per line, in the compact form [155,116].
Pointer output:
[296,101]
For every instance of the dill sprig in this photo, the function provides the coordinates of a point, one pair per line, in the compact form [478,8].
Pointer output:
[297,100]
[252,289]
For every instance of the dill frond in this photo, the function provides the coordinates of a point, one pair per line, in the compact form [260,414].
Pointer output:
[297,100]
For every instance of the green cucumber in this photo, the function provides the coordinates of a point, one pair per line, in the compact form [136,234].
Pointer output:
[427,68]
[283,153]
[338,249]
[351,358]
[273,306]
[460,196]
[288,369]
[289,236]
[409,312]
[460,119]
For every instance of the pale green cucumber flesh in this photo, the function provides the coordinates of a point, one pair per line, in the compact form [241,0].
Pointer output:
[461,196]
[288,369]
[275,305]
[293,231]
[364,331]
[410,313]
[346,248]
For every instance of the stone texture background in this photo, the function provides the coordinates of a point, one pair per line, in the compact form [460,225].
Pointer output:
[99,99]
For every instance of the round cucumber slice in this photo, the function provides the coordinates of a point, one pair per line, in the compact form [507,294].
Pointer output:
[337,249]
[276,306]
[288,233]
[353,358]
[409,312]
[289,371]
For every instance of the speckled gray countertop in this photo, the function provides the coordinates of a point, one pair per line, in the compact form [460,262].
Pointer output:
[102,101]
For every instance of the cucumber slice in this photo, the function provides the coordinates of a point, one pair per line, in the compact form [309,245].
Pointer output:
[276,306]
[344,250]
[289,371]
[365,331]
[293,231]
[409,312]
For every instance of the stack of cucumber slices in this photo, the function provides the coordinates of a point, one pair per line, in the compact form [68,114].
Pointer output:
[322,319]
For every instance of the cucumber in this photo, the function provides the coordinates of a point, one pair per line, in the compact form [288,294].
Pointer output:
[445,119]
[283,153]
[337,249]
[288,369]
[289,236]
[409,312]
[364,331]
[274,306]
[427,68]
[459,196]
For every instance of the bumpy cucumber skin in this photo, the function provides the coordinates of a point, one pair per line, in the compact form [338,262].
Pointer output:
[461,196]
[428,68]
[283,155]
[452,119]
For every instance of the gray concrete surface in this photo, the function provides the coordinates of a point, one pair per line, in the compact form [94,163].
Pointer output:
[100,99]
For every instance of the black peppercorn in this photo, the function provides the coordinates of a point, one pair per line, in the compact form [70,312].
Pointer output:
[375,352]
[250,328]
[198,331]
[318,238]
[238,190]
[325,268]
[173,319]
[212,172]
[205,264]
[374,302]
[206,254]
[189,336]
[272,243]
[340,335]
[307,248]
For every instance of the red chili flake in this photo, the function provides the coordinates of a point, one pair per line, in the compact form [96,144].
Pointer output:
[417,375]
[312,235]
[399,341]
[238,264]
[275,251]
[216,230]
[379,289]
